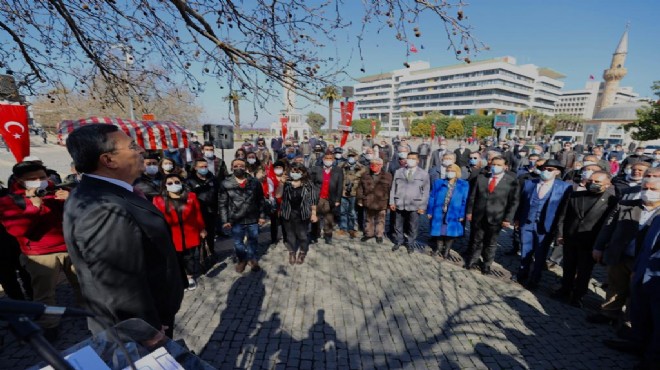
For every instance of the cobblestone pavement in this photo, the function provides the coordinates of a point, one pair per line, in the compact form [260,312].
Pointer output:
[358,305]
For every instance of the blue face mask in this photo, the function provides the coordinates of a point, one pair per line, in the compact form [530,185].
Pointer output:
[203,171]
[290,156]
[473,162]
[496,169]
[532,163]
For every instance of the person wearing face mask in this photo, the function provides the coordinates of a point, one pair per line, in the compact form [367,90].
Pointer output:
[541,203]
[276,144]
[339,157]
[440,171]
[183,214]
[473,168]
[299,203]
[253,166]
[316,159]
[366,157]
[614,165]
[305,149]
[634,192]
[278,176]
[372,195]
[462,155]
[630,178]
[601,160]
[348,212]
[580,182]
[32,213]
[175,155]
[329,181]
[216,166]
[408,200]
[424,149]
[526,170]
[169,167]
[385,153]
[637,156]
[491,205]
[242,209]
[446,210]
[149,182]
[617,153]
[438,154]
[205,186]
[567,156]
[617,247]
[577,230]
[400,161]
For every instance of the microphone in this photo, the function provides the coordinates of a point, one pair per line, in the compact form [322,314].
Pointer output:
[10,307]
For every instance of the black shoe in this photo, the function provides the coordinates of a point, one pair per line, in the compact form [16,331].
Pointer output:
[410,250]
[328,240]
[624,346]
[486,271]
[396,247]
[599,318]
[471,266]
[434,253]
[365,238]
[512,252]
[379,240]
[313,241]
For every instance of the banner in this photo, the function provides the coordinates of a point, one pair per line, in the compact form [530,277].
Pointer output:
[432,132]
[346,119]
[373,130]
[14,129]
[285,128]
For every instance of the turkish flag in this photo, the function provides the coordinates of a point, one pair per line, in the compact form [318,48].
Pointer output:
[14,128]
[373,129]
[285,129]
[432,132]
[347,118]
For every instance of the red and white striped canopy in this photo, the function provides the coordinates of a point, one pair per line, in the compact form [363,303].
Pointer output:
[151,135]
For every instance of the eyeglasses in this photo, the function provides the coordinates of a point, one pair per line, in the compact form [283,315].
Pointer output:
[173,183]
[132,146]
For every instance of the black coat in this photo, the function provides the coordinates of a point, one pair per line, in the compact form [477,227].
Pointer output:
[579,225]
[241,205]
[336,182]
[150,186]
[122,250]
[497,207]
[206,191]
[462,160]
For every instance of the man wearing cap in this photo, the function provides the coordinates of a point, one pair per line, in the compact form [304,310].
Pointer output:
[52,174]
[329,180]
[372,194]
[352,173]
[541,202]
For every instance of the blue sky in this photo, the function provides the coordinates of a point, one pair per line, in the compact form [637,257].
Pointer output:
[574,37]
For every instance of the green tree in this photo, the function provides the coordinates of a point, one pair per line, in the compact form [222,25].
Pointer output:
[567,122]
[315,121]
[330,93]
[455,130]
[536,119]
[483,132]
[363,126]
[647,126]
[481,121]
[420,128]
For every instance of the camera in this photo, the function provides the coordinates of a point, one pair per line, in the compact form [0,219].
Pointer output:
[349,189]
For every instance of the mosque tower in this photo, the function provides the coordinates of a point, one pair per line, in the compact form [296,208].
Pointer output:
[615,73]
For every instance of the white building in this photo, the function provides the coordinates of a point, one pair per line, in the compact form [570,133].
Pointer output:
[494,86]
[582,103]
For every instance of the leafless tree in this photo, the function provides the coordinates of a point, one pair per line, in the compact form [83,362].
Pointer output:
[246,46]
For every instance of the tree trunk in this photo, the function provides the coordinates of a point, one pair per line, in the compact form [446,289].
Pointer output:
[331,102]
[237,114]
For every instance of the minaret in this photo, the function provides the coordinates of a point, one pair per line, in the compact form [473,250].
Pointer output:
[289,91]
[615,73]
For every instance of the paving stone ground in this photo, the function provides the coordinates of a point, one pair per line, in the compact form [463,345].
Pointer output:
[358,305]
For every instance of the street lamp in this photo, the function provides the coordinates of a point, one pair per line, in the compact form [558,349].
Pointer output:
[128,60]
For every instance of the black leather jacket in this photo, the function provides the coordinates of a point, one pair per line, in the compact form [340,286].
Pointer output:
[207,192]
[241,205]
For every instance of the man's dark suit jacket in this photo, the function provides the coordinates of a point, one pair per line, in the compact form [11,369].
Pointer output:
[462,160]
[497,207]
[579,225]
[336,182]
[123,253]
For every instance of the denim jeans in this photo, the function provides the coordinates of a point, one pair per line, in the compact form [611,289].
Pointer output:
[238,231]
[348,215]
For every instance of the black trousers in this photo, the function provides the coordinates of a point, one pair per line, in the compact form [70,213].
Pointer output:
[209,222]
[296,234]
[405,228]
[578,264]
[15,280]
[484,242]
[189,260]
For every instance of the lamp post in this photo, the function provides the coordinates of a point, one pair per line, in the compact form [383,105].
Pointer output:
[128,60]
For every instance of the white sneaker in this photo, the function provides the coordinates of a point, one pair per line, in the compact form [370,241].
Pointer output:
[192,284]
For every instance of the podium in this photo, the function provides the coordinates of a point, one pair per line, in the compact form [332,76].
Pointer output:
[132,334]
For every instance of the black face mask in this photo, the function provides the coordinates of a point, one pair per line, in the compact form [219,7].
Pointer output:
[239,173]
[595,188]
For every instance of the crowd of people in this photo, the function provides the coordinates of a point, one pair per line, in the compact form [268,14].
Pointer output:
[567,204]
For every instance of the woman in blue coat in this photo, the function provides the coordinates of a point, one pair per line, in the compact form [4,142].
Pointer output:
[446,209]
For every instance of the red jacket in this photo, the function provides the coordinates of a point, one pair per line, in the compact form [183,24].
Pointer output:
[38,230]
[193,223]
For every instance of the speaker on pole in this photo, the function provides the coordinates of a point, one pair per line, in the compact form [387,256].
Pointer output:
[222,136]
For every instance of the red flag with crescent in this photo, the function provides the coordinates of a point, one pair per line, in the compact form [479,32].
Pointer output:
[346,119]
[14,128]
[373,129]
[432,132]
[285,128]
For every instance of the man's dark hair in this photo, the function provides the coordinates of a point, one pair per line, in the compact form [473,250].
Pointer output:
[199,161]
[498,158]
[22,168]
[86,144]
[208,143]
[302,169]
[413,153]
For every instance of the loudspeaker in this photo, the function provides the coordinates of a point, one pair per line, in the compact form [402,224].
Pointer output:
[222,136]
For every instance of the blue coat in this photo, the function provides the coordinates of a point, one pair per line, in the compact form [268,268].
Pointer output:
[455,211]
[559,194]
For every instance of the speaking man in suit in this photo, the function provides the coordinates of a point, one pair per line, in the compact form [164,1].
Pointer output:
[541,202]
[578,228]
[119,243]
[492,204]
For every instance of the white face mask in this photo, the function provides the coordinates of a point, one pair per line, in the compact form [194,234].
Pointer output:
[174,188]
[403,155]
[338,156]
[296,175]
[368,157]
[251,160]
[278,171]
[411,163]
[650,196]
[451,175]
[36,184]
[151,170]
[587,174]
[168,167]
[522,154]
[588,163]
[209,154]
[328,163]
[447,162]
[443,147]
[351,160]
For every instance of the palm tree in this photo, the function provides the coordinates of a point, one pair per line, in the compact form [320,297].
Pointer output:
[233,97]
[330,93]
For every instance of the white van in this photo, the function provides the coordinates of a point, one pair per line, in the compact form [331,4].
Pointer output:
[568,136]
